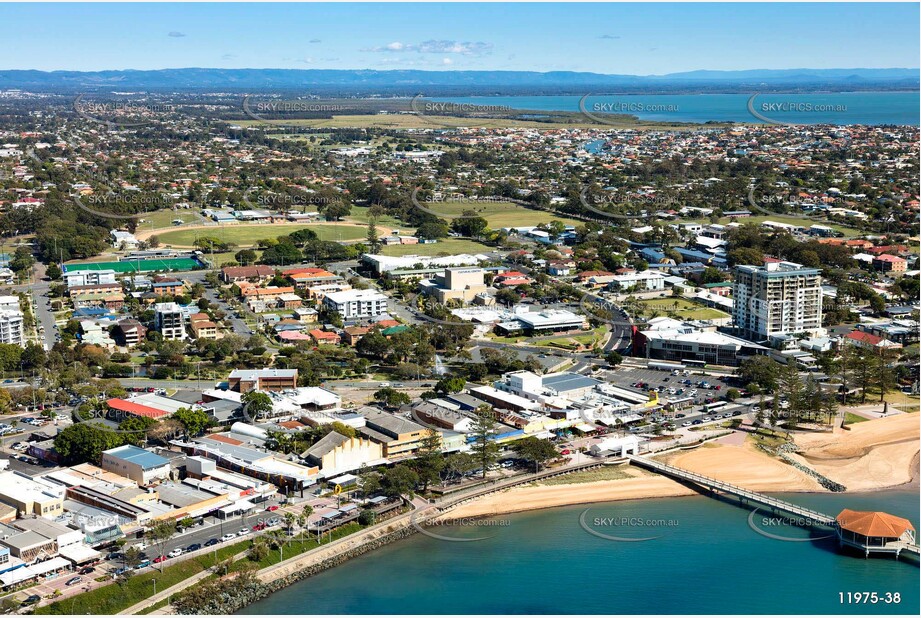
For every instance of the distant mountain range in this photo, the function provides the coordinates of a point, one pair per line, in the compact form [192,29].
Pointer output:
[482,82]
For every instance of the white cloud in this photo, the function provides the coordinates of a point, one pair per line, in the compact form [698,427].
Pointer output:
[464,48]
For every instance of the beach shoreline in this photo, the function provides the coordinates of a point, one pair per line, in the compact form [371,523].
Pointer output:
[848,457]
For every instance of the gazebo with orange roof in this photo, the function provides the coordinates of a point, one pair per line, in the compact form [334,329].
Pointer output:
[874,531]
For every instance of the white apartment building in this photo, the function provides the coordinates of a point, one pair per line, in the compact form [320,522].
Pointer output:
[354,304]
[12,328]
[169,320]
[9,303]
[777,298]
[643,280]
[89,277]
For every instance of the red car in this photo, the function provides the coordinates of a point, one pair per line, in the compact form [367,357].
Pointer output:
[159,559]
[258,527]
[274,507]
[565,451]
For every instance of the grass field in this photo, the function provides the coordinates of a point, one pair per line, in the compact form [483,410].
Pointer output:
[604,473]
[498,214]
[359,214]
[164,218]
[576,341]
[448,246]
[247,235]
[182,264]
[679,307]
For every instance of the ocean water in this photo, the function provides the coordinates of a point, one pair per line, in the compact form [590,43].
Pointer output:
[706,559]
[839,108]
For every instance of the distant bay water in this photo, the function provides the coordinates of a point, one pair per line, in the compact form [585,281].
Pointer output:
[706,560]
[839,108]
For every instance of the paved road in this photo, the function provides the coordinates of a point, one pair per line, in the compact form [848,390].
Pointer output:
[41,308]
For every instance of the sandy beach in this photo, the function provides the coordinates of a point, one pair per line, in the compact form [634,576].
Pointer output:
[872,455]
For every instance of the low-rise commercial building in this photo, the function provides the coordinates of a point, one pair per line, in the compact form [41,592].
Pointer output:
[137,464]
[245,380]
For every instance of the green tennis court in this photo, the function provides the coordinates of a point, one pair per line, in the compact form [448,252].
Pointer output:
[180,264]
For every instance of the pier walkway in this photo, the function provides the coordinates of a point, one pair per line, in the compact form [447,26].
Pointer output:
[746,496]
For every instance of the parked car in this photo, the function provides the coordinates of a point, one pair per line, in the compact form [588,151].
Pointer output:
[686,424]
[227,537]
[175,553]
[274,507]
[697,422]
[243,531]
[143,564]
[73,580]
[211,542]
[159,559]
[32,599]
[193,547]
[86,570]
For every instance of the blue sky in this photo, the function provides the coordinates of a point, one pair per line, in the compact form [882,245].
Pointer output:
[642,39]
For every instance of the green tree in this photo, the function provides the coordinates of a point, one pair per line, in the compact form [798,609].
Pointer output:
[484,448]
[245,256]
[391,397]
[450,385]
[374,241]
[760,370]
[535,450]
[158,534]
[256,404]
[194,421]
[367,517]
[399,480]
[84,442]
[429,462]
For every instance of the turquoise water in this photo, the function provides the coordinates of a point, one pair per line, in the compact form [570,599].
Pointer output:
[840,108]
[706,560]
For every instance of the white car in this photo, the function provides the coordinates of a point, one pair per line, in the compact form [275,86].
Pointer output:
[175,553]
[243,532]
[228,537]
[707,419]
[756,408]
[686,424]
